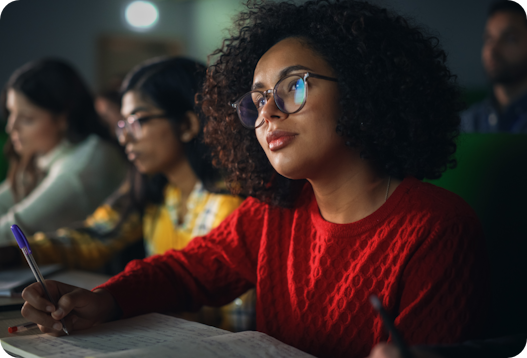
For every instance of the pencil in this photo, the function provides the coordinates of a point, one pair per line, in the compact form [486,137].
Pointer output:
[388,323]
[22,327]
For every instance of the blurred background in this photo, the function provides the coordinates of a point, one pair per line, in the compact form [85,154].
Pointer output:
[104,39]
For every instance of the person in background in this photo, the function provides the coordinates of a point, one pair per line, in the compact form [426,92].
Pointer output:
[327,114]
[504,57]
[173,192]
[62,160]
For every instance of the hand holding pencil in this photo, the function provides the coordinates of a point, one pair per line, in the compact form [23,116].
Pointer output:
[388,350]
[399,349]
[76,308]
[389,325]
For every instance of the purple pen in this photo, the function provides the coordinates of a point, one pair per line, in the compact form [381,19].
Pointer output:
[26,250]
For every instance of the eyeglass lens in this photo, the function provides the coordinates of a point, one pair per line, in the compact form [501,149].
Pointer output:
[289,96]
[133,127]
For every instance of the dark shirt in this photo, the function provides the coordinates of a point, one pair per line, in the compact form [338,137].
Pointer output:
[485,117]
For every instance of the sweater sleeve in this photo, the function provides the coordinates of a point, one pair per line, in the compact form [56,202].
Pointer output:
[446,281]
[47,207]
[211,270]
[94,242]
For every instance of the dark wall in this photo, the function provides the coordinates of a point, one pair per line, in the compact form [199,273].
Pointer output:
[30,29]
[459,24]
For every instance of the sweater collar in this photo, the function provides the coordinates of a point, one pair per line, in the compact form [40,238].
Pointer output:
[44,162]
[365,224]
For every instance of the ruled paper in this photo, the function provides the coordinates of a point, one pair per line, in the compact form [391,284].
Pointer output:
[153,334]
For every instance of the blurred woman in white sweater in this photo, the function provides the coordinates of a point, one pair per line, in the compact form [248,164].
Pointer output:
[62,161]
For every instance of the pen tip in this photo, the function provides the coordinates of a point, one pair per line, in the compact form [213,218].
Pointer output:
[65,330]
[375,302]
[12,329]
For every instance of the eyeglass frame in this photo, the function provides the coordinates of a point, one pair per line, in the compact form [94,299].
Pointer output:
[128,121]
[273,90]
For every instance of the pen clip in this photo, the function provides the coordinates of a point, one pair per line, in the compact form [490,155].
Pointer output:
[20,238]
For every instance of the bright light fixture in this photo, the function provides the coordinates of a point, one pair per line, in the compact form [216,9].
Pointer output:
[141,15]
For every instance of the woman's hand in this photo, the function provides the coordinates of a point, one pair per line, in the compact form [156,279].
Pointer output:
[80,308]
[386,350]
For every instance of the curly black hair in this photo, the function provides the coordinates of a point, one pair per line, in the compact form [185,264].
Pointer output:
[400,101]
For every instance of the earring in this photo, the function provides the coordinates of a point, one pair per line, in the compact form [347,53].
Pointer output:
[186,137]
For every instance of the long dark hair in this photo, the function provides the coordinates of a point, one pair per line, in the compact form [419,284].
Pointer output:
[57,87]
[171,84]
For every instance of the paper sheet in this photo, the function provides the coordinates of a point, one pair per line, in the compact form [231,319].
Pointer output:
[234,345]
[155,335]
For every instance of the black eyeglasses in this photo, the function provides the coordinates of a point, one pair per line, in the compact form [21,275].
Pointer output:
[132,124]
[290,94]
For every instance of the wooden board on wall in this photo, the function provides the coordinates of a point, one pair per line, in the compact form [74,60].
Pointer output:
[118,54]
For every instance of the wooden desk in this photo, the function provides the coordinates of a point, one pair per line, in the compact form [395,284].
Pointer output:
[12,317]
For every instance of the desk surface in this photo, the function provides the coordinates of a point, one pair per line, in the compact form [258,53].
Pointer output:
[13,317]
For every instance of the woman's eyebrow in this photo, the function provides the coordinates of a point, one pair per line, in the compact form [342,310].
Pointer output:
[286,71]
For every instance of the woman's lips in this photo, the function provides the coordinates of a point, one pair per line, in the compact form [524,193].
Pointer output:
[279,139]
[281,142]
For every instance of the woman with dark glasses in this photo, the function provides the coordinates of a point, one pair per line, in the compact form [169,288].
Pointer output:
[328,115]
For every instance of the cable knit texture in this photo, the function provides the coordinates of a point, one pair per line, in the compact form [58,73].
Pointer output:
[421,252]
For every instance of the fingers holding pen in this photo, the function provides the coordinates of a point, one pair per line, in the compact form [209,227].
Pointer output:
[46,314]
[34,296]
[75,308]
[38,308]
[44,320]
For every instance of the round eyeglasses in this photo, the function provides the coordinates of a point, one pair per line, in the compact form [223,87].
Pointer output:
[290,94]
[133,126]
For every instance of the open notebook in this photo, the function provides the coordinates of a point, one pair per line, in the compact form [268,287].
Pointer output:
[153,335]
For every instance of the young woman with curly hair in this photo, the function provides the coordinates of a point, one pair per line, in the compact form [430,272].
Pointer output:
[328,115]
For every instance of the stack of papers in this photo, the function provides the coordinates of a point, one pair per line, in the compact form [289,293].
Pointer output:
[15,280]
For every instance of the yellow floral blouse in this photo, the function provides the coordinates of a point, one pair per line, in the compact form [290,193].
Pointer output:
[88,246]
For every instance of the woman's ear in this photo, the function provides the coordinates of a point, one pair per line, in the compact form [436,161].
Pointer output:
[190,128]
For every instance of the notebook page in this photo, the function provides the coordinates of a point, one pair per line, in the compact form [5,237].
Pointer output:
[234,345]
[119,336]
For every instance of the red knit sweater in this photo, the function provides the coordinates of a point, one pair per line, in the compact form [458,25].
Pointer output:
[421,253]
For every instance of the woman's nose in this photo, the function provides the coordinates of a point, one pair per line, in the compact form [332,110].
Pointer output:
[124,137]
[10,126]
[270,110]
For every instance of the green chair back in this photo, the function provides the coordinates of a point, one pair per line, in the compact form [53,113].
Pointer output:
[492,177]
